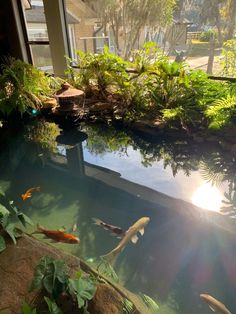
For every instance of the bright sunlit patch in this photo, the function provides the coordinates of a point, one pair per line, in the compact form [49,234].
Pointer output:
[207,197]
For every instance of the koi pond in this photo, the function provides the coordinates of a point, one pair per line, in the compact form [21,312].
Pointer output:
[119,176]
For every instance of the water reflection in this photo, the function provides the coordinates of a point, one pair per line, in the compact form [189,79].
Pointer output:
[183,251]
[208,197]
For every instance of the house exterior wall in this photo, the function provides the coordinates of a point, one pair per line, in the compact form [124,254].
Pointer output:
[84,28]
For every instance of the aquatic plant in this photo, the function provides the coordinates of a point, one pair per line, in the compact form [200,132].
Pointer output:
[151,304]
[10,215]
[27,310]
[43,135]
[22,86]
[52,277]
[52,306]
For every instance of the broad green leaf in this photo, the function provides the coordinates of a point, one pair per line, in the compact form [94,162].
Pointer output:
[2,192]
[83,288]
[10,229]
[52,306]
[60,271]
[3,210]
[39,274]
[27,310]
[2,244]
[25,219]
[48,283]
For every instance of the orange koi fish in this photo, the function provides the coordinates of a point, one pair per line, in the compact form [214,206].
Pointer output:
[28,193]
[215,305]
[58,235]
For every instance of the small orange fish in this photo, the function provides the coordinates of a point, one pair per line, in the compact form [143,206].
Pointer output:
[58,235]
[28,193]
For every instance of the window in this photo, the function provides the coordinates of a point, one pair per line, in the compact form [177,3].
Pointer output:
[37,36]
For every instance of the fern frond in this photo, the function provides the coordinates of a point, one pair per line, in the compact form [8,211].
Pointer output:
[221,111]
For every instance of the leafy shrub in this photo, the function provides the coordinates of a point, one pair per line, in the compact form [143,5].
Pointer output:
[228,58]
[52,276]
[222,112]
[206,36]
[21,86]
[102,71]
[9,216]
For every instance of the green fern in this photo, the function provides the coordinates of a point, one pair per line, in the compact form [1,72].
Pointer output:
[221,111]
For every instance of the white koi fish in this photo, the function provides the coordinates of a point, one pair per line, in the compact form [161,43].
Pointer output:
[215,305]
[130,235]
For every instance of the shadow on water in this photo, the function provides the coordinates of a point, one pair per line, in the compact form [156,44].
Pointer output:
[180,255]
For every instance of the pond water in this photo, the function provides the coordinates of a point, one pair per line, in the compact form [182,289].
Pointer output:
[120,176]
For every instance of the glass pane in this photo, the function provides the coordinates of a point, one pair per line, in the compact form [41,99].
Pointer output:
[36,22]
[200,32]
[41,56]
[84,26]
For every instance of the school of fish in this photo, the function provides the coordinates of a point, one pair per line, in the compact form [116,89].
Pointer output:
[57,236]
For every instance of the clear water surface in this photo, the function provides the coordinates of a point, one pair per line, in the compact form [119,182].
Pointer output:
[119,176]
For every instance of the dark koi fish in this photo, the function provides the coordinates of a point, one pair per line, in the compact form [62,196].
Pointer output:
[115,230]
[215,305]
[28,193]
[58,235]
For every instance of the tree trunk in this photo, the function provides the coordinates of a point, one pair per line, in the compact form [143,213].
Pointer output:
[232,19]
[211,55]
[179,9]
[218,26]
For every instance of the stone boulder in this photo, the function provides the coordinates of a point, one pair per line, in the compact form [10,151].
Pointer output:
[17,265]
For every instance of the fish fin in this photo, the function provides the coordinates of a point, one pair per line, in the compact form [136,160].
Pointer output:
[141,231]
[109,258]
[37,189]
[212,308]
[75,227]
[134,239]
[97,221]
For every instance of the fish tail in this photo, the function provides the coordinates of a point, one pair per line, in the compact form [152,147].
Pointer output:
[98,221]
[110,257]
[37,189]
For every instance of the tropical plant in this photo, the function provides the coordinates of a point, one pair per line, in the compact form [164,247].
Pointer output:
[228,58]
[52,277]
[207,35]
[10,215]
[43,134]
[21,87]
[52,306]
[27,310]
[102,71]
[222,112]
[83,289]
